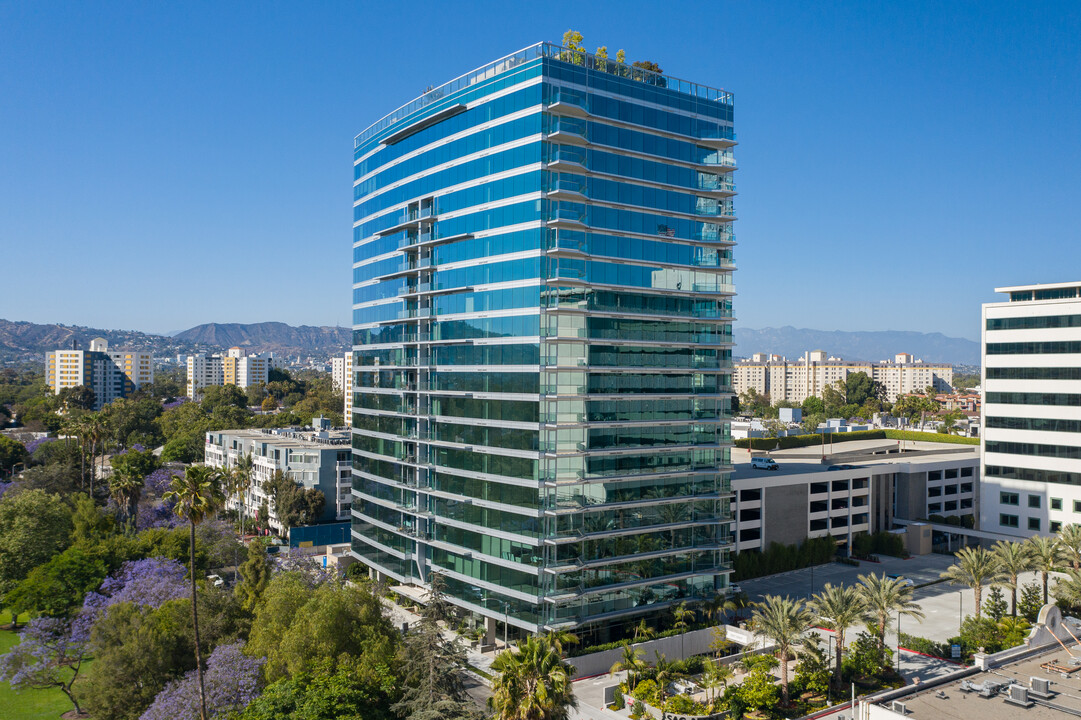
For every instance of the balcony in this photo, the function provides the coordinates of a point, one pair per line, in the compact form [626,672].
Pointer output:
[410,219]
[569,131]
[566,218]
[568,102]
[573,190]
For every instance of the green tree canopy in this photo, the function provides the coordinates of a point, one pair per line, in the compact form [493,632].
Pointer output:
[34,526]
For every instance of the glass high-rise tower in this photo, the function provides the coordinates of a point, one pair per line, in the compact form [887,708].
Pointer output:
[542,262]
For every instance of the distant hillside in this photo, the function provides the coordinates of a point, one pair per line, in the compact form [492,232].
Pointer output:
[28,342]
[271,336]
[871,346]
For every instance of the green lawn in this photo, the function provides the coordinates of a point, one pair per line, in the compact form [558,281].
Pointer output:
[28,704]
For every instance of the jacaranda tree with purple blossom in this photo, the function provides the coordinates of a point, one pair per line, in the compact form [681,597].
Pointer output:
[197,496]
[47,656]
[232,681]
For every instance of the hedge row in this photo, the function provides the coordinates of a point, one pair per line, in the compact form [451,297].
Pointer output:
[796,441]
[931,437]
[781,558]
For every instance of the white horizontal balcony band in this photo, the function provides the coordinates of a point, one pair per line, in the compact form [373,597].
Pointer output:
[488,504]
[400,207]
[464,133]
[450,164]
[490,559]
[643,103]
[383,548]
[485,530]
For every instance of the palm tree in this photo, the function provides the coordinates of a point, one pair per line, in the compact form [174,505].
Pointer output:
[643,631]
[663,675]
[975,567]
[1068,589]
[885,597]
[534,683]
[95,433]
[1013,558]
[558,638]
[717,674]
[74,425]
[125,488]
[242,472]
[784,621]
[197,496]
[839,607]
[1070,541]
[1046,555]
[632,662]
[682,613]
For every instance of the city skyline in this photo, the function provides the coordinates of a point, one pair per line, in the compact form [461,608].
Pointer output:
[891,123]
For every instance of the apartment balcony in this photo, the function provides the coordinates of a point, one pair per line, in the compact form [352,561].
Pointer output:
[569,131]
[568,102]
[409,220]
[571,219]
[568,190]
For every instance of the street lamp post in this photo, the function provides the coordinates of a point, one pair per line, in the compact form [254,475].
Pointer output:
[898,643]
[506,616]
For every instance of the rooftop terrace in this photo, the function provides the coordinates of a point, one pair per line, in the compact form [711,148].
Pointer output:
[533,52]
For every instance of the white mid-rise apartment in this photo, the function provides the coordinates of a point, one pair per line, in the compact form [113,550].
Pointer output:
[796,380]
[236,367]
[1031,447]
[341,372]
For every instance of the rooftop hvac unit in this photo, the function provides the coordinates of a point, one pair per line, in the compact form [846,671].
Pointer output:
[1018,695]
[899,707]
[1040,687]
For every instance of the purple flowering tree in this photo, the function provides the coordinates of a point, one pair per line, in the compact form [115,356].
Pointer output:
[232,680]
[45,655]
[151,581]
[36,443]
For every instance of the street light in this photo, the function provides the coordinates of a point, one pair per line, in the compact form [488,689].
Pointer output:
[506,615]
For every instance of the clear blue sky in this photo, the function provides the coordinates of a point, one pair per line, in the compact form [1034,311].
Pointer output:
[168,164]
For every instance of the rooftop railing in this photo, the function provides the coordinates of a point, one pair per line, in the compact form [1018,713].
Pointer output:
[542,49]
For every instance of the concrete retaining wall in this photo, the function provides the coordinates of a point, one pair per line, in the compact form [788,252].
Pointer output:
[677,647]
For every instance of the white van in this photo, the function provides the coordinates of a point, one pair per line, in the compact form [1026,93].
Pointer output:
[763,463]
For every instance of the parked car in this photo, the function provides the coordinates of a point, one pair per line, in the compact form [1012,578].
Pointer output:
[215,580]
[905,581]
[764,463]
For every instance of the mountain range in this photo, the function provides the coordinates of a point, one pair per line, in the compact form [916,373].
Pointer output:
[868,346]
[28,342]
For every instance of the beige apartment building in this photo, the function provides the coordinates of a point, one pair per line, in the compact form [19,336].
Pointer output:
[236,367]
[111,374]
[796,380]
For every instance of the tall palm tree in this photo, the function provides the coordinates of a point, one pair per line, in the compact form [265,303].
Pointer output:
[125,488]
[1046,555]
[74,425]
[839,607]
[663,675]
[632,662]
[884,598]
[534,683]
[1070,540]
[975,567]
[95,433]
[1014,558]
[197,496]
[684,617]
[783,620]
[243,472]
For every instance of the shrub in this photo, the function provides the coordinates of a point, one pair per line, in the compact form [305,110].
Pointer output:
[925,646]
[780,558]
[690,666]
[618,703]
[684,705]
[885,543]
[647,691]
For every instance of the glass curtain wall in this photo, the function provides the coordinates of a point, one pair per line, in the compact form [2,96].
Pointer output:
[542,340]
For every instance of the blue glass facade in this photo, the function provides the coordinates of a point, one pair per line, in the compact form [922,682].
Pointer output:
[542,340]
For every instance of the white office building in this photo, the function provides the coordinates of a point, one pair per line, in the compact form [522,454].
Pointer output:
[1031,446]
